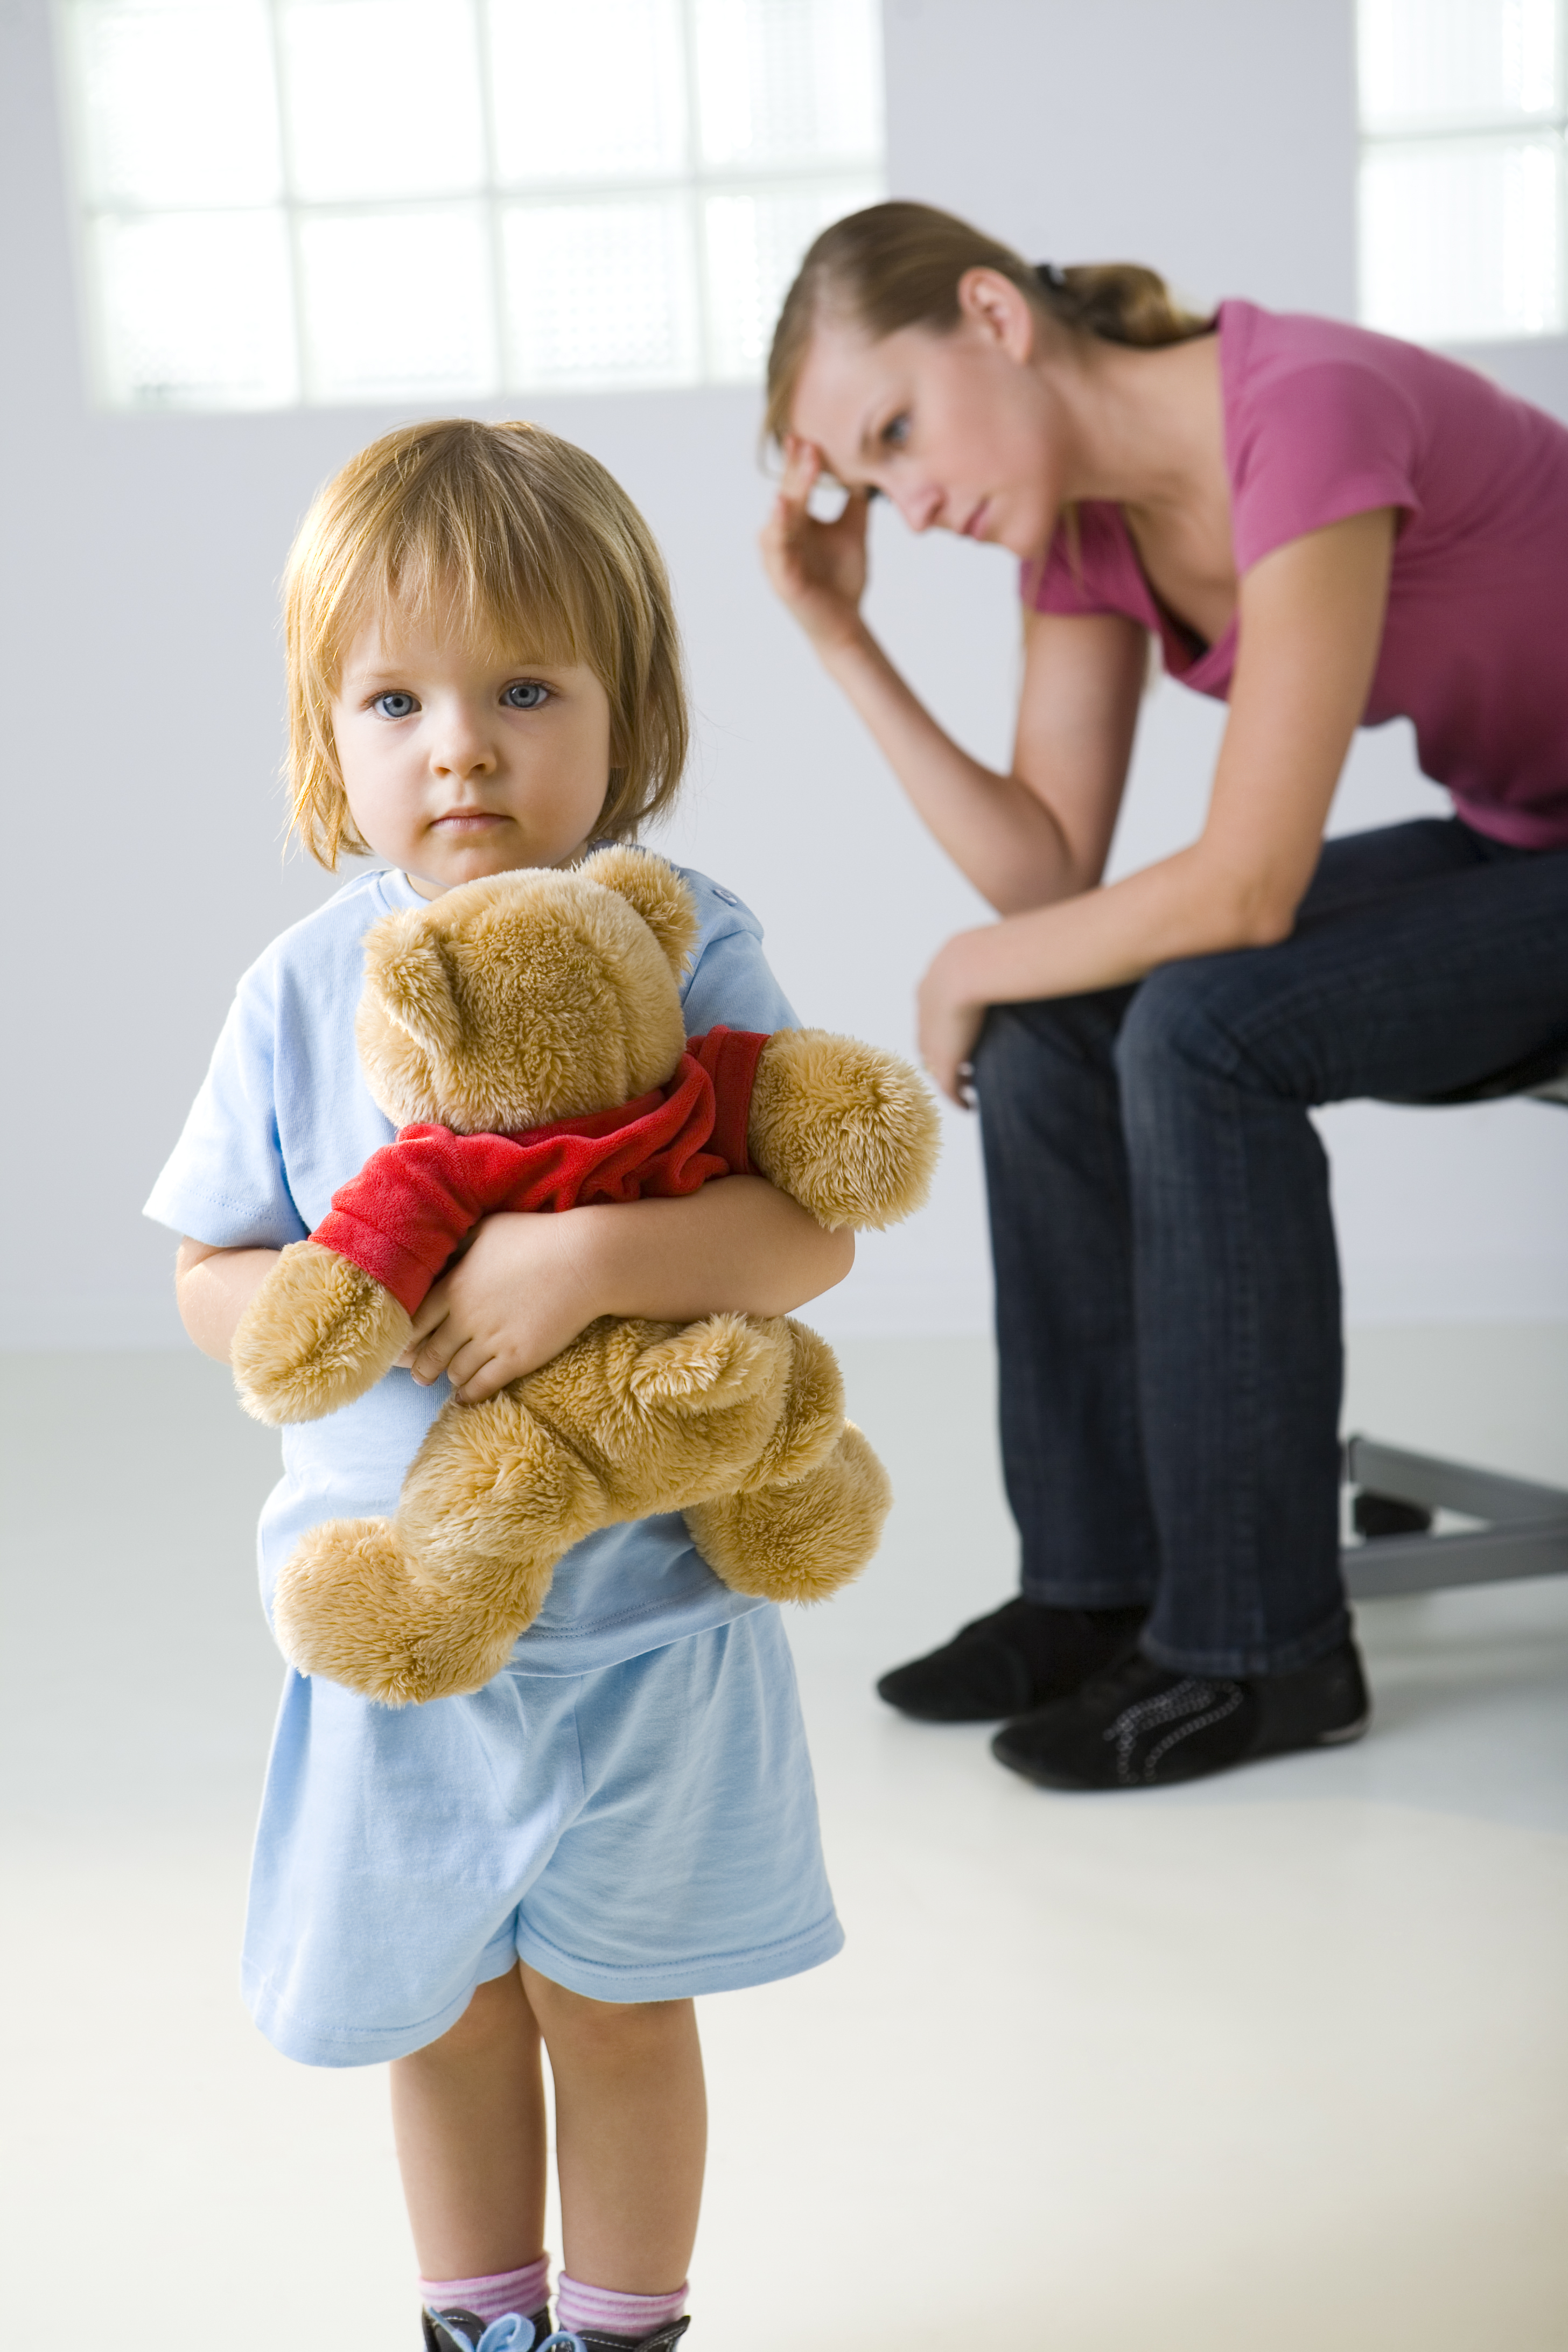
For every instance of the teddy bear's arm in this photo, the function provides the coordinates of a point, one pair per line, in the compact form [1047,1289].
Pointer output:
[316,1333]
[847,1130]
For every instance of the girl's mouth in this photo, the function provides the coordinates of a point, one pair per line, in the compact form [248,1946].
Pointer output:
[467,820]
[972,528]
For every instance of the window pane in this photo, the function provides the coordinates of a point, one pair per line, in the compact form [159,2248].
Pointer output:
[397,305]
[381,99]
[600,293]
[789,82]
[584,92]
[1459,241]
[1444,64]
[195,310]
[753,242]
[177,104]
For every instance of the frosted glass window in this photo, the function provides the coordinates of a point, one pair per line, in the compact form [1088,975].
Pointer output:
[628,53]
[1435,64]
[196,310]
[381,99]
[753,245]
[396,305]
[601,293]
[176,106]
[1462,170]
[432,201]
[784,81]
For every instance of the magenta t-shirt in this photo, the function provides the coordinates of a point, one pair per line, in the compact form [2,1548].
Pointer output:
[1323,421]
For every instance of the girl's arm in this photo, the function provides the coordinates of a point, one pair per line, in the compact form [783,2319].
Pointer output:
[528,1284]
[1310,624]
[1039,834]
[213,1287]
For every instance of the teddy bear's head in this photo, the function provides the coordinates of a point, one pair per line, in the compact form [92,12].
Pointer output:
[529,997]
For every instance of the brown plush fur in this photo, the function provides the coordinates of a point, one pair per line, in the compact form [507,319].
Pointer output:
[505,1004]
[633,1418]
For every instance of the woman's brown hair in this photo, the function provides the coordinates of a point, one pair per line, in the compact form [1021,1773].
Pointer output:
[898,265]
[518,540]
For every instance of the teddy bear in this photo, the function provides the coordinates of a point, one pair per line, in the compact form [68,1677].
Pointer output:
[525,1035]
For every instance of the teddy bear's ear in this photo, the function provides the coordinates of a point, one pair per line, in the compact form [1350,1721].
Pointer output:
[413,981]
[657,893]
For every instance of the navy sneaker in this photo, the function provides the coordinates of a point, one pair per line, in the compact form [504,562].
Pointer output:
[460,2331]
[1142,1726]
[602,2340]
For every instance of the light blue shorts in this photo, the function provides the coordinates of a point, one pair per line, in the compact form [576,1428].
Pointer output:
[641,1833]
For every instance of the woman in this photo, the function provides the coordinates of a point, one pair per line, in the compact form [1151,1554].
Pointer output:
[1325,528]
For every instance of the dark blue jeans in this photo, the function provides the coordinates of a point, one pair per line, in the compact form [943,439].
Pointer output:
[1167,1283]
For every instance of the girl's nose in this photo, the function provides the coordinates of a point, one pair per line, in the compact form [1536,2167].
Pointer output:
[463,746]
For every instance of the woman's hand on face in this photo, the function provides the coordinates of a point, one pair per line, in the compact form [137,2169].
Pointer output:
[818,569]
[517,1296]
[950,1022]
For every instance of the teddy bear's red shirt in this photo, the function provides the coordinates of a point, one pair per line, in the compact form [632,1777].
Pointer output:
[412,1202]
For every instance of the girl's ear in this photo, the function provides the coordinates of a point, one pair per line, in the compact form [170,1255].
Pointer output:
[657,893]
[413,979]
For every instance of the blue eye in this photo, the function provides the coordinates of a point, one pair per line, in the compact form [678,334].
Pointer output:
[525,694]
[396,705]
[896,431]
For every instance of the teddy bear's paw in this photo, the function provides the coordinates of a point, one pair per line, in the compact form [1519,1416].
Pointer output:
[318,1333]
[810,1417]
[709,1365]
[803,1540]
[847,1130]
[351,1606]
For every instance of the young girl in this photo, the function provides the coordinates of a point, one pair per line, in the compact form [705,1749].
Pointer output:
[483,675]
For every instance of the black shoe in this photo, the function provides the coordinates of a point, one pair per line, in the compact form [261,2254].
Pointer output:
[1141,1725]
[600,2339]
[461,2331]
[1018,1657]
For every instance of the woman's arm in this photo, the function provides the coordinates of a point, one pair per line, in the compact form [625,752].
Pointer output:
[1039,834]
[530,1284]
[213,1288]
[1311,625]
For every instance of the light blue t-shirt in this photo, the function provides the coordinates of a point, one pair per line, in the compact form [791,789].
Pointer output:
[283,1118]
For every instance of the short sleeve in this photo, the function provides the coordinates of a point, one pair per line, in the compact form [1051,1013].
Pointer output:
[223,1184]
[1326,441]
[730,980]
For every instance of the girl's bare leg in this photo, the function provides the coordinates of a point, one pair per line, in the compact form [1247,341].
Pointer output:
[631,2132]
[468,2115]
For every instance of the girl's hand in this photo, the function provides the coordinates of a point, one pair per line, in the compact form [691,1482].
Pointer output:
[817,568]
[950,1016]
[520,1293]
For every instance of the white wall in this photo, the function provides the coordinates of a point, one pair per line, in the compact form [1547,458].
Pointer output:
[139,573]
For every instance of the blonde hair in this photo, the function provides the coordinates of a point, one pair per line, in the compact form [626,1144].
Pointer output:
[898,264]
[518,540]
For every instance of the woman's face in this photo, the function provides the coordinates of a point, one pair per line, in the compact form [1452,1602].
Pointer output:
[963,431]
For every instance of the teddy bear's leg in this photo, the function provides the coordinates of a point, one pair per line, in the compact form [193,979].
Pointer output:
[802,1539]
[316,1333]
[429,1603]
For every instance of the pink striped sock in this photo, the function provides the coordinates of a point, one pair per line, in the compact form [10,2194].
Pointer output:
[526,2290]
[578,2306]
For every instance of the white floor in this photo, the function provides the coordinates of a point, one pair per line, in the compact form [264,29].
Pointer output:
[1276,2064]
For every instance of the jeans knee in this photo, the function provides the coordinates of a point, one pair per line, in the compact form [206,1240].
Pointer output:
[1175,1030]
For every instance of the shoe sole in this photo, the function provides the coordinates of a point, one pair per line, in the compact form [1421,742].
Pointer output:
[1027,1769]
